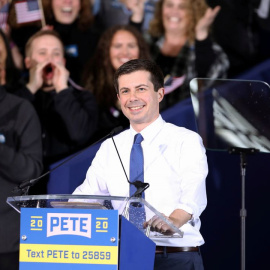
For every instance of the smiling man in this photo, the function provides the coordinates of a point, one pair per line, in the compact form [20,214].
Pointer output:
[174,164]
[139,101]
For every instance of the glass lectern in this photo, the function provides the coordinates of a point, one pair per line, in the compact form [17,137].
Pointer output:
[86,232]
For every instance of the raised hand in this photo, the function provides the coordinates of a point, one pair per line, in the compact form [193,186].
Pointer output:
[203,25]
[60,77]
[137,8]
[36,77]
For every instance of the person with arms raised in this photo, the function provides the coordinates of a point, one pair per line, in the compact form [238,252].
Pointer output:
[182,45]
[68,115]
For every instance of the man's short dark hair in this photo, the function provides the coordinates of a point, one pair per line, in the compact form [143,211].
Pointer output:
[156,75]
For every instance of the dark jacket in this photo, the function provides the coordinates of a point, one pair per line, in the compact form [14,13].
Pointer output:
[79,46]
[203,59]
[68,120]
[20,159]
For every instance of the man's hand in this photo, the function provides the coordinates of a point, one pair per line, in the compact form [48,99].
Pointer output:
[36,77]
[203,25]
[178,218]
[60,77]
[158,225]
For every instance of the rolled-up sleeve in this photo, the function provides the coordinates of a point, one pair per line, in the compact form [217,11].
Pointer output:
[193,171]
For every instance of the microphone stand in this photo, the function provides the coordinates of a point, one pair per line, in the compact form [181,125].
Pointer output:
[23,188]
[243,212]
[140,186]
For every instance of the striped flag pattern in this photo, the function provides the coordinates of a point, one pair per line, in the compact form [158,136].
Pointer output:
[27,11]
[3,15]
[173,83]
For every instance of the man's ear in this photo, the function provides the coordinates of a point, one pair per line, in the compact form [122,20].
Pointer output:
[27,62]
[160,94]
[2,76]
[118,96]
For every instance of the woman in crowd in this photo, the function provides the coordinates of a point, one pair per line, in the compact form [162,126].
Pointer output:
[74,22]
[181,44]
[116,46]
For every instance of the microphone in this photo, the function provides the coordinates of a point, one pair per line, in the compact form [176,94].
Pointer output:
[24,186]
[140,186]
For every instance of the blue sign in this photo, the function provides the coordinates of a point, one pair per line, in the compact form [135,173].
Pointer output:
[68,239]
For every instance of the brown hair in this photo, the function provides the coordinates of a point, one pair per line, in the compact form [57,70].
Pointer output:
[85,18]
[156,75]
[12,73]
[195,8]
[98,76]
[38,34]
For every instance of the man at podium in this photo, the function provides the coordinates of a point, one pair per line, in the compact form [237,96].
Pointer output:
[171,159]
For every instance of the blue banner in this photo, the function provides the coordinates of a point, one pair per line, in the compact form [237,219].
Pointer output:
[68,239]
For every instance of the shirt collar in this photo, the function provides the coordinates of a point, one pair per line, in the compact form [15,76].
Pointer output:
[150,131]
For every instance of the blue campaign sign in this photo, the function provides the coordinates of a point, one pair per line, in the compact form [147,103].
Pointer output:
[69,239]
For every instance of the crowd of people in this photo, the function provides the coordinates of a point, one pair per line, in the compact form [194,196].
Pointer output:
[68,64]
[56,80]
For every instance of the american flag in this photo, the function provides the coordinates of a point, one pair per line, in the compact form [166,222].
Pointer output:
[173,83]
[27,11]
[3,15]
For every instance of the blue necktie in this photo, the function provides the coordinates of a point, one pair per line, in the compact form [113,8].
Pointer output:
[136,211]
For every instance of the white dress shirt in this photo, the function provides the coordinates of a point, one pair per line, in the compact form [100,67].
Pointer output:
[175,166]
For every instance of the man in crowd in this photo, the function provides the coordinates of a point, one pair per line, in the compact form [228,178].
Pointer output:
[174,164]
[20,154]
[68,115]
[20,159]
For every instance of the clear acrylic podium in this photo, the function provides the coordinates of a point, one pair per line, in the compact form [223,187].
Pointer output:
[85,232]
